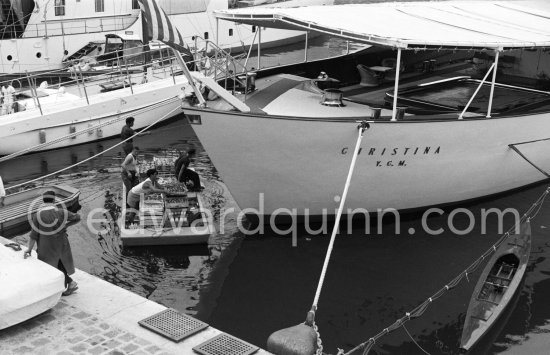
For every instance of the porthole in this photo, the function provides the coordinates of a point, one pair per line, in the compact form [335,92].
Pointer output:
[10,57]
[65,52]
[38,54]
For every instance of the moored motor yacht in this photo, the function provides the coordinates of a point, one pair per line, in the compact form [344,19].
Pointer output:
[284,144]
[86,109]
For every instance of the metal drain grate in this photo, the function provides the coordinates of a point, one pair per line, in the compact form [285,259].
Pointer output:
[225,344]
[172,324]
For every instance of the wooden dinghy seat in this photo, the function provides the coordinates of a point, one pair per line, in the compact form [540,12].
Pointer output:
[21,207]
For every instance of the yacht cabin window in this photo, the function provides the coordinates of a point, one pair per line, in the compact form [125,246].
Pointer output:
[59,7]
[99,5]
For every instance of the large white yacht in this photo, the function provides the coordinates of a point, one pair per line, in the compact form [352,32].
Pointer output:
[38,35]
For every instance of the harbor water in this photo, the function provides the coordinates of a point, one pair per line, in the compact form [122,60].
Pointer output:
[253,285]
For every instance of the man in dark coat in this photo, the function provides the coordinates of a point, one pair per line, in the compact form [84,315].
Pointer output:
[49,231]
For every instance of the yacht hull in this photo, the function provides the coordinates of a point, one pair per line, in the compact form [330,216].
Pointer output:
[287,165]
[103,117]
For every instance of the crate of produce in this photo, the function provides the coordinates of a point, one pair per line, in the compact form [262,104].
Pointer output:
[176,202]
[176,218]
[152,204]
[175,188]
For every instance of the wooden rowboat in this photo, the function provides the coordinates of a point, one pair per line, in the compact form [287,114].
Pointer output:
[18,207]
[496,286]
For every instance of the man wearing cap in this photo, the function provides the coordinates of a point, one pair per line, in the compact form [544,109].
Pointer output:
[49,231]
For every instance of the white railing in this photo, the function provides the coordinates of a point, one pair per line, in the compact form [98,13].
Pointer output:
[83,79]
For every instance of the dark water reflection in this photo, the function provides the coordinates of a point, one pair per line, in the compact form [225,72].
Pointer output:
[374,279]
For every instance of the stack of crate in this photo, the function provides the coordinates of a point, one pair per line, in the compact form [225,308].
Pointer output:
[151,210]
[176,208]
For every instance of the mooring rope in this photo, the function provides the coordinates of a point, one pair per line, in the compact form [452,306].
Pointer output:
[311,314]
[77,133]
[419,310]
[95,156]
[513,146]
[414,341]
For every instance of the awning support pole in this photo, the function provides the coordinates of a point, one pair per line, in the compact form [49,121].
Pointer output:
[259,45]
[497,52]
[249,52]
[307,44]
[396,86]
[217,46]
[477,90]
[217,32]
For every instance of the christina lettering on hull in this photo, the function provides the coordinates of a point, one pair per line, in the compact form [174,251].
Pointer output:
[400,151]
[403,151]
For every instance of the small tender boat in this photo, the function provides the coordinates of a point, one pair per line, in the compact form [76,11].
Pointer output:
[29,286]
[20,206]
[496,286]
[170,219]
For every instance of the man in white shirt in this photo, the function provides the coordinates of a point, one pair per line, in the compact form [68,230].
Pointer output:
[2,192]
[129,170]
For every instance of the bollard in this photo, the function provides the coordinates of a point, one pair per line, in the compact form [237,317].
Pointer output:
[426,66]
[375,114]
[251,81]
[432,65]
[400,114]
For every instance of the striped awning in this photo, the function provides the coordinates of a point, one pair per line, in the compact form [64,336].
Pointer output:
[416,25]
[159,27]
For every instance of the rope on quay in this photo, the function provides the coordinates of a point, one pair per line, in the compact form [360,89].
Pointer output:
[77,133]
[419,310]
[95,156]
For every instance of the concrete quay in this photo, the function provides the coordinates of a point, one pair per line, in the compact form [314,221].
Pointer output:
[99,318]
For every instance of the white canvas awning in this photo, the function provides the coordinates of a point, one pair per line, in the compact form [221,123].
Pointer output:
[416,25]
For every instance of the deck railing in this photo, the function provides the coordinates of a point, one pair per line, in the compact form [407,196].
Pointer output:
[83,78]
[110,71]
